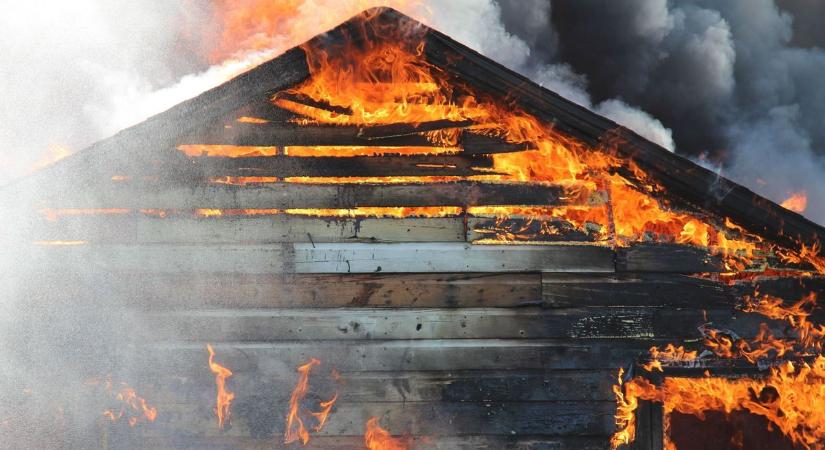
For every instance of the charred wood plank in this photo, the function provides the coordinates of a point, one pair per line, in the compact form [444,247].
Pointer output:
[463,442]
[478,144]
[377,132]
[460,386]
[210,290]
[396,356]
[297,97]
[409,324]
[329,166]
[634,289]
[674,258]
[321,258]
[288,134]
[431,419]
[283,195]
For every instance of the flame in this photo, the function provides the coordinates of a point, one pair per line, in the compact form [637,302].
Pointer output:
[797,202]
[223,397]
[351,151]
[377,438]
[132,407]
[789,397]
[295,428]
[275,26]
[227,151]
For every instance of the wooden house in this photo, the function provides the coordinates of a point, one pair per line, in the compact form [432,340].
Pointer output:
[447,282]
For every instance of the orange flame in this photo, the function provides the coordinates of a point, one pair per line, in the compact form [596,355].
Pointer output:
[132,407]
[789,397]
[797,202]
[378,438]
[223,397]
[295,429]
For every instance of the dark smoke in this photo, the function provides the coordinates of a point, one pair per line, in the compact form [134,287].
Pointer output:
[741,82]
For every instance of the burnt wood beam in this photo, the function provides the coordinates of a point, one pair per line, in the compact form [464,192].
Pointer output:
[379,132]
[475,143]
[302,99]
[329,166]
[283,195]
[393,135]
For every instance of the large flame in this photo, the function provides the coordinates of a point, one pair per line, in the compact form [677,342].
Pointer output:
[295,428]
[223,397]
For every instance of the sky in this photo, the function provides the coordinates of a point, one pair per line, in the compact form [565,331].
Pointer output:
[735,85]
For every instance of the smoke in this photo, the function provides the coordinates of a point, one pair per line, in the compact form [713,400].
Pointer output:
[738,82]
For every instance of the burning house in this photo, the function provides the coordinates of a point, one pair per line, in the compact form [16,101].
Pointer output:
[381,239]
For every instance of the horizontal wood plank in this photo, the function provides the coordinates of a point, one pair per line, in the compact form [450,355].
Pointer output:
[210,290]
[369,324]
[633,289]
[330,166]
[461,386]
[270,228]
[431,419]
[673,258]
[282,195]
[321,258]
[464,442]
[186,359]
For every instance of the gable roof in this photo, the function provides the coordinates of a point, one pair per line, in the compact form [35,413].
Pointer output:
[685,182]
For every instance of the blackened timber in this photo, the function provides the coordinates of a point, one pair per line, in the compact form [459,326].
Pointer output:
[397,356]
[297,97]
[136,441]
[681,178]
[657,257]
[282,195]
[450,386]
[143,291]
[635,289]
[378,132]
[391,135]
[288,134]
[345,324]
[476,143]
[330,166]
[421,418]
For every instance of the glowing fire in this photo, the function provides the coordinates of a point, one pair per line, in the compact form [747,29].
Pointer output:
[295,428]
[797,202]
[377,438]
[223,397]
